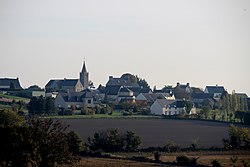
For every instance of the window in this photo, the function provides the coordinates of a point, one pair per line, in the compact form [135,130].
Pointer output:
[89,101]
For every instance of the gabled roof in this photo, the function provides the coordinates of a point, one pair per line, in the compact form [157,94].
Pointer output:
[125,89]
[202,96]
[151,97]
[215,89]
[68,82]
[112,89]
[10,83]
[242,95]
[171,103]
[62,82]
[164,102]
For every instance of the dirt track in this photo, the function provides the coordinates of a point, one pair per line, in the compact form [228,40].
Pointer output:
[155,132]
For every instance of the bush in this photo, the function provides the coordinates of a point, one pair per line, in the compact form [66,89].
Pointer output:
[171,147]
[184,160]
[157,156]
[113,140]
[216,163]
[238,138]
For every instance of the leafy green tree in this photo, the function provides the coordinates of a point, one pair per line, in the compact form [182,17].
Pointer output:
[10,118]
[50,105]
[113,140]
[238,138]
[189,106]
[37,143]
[132,141]
[76,145]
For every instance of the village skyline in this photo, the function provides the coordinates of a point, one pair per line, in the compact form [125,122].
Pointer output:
[95,85]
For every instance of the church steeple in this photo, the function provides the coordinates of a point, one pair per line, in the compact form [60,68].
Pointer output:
[84,69]
[84,76]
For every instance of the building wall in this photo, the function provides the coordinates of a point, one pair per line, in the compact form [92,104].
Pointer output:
[78,87]
[156,109]
[59,102]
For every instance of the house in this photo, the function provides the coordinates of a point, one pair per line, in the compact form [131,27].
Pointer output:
[66,101]
[89,98]
[150,98]
[10,84]
[185,87]
[199,98]
[182,91]
[126,95]
[217,91]
[168,107]
[73,85]
[65,85]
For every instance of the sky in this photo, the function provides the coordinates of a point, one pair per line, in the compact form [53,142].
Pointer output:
[201,42]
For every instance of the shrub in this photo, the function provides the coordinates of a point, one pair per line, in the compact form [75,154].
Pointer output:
[245,163]
[157,156]
[113,140]
[238,138]
[216,163]
[184,160]
[171,147]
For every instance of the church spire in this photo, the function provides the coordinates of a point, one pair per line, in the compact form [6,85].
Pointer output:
[84,69]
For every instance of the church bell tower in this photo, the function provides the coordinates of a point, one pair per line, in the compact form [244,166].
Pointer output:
[84,76]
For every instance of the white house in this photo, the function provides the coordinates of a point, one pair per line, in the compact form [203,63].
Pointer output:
[168,107]
[151,97]
[217,91]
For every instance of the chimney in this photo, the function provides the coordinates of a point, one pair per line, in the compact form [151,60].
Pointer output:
[178,84]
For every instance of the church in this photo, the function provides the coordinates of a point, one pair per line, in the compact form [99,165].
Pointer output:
[69,85]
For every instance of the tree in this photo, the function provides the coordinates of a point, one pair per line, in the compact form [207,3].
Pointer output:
[39,142]
[132,141]
[189,106]
[8,118]
[76,144]
[238,138]
[113,140]
[50,105]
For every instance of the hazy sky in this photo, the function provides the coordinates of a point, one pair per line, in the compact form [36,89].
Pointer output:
[203,42]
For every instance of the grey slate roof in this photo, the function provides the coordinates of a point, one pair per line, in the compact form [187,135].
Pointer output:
[112,89]
[62,82]
[9,82]
[242,95]
[151,97]
[215,89]
[202,96]
[125,89]
[171,103]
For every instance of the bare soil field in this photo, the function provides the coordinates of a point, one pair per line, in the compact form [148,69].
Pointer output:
[165,160]
[156,132]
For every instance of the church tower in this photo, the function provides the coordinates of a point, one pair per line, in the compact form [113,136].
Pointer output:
[84,76]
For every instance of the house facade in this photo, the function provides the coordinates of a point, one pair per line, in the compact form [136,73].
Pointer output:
[217,91]
[168,107]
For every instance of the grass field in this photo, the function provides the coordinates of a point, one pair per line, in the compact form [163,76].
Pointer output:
[115,114]
[16,98]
